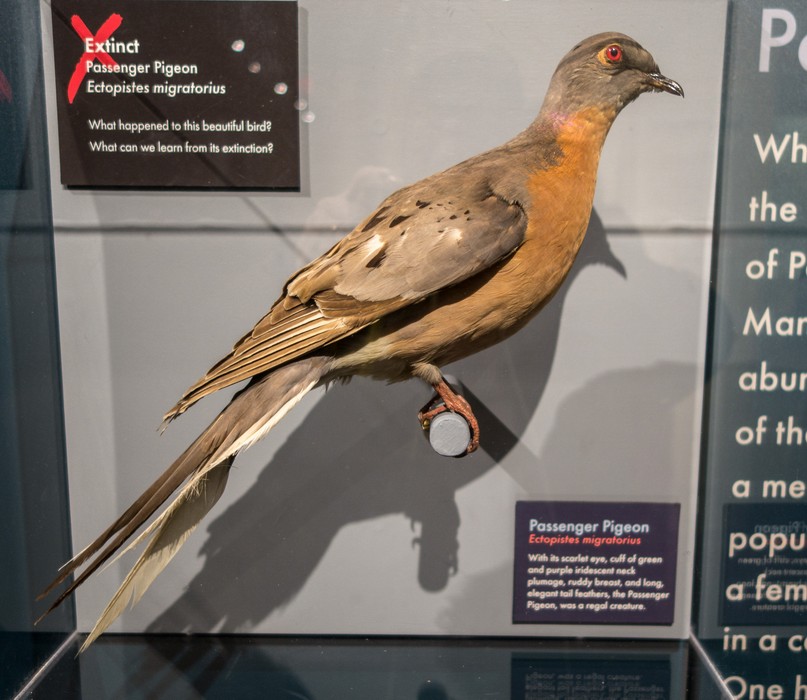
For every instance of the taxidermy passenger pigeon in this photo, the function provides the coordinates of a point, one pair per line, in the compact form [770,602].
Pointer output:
[441,269]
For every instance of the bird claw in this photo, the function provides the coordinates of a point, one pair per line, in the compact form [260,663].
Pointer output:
[446,399]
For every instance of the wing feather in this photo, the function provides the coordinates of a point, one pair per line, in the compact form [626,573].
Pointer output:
[257,354]
[257,364]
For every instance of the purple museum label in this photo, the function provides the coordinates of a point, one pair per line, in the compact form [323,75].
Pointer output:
[595,563]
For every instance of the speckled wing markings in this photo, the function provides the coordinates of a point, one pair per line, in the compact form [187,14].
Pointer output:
[420,240]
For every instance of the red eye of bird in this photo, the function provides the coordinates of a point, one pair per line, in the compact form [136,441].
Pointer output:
[614,53]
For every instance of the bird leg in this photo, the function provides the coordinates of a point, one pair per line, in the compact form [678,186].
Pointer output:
[451,401]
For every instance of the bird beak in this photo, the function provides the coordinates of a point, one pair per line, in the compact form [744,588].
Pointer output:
[612,261]
[656,81]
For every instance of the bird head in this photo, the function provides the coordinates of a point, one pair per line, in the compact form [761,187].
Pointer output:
[605,71]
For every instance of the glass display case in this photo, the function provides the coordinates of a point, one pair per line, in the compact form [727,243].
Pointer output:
[36,523]
[161,180]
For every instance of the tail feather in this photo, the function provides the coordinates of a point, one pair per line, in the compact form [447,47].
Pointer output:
[204,466]
[134,516]
[173,527]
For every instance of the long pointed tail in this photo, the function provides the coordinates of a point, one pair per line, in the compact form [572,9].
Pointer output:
[204,467]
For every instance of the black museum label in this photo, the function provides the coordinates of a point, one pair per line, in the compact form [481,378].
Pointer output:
[177,93]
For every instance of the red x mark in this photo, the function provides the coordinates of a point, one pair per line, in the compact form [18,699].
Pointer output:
[91,50]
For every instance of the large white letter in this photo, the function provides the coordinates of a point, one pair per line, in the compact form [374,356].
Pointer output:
[768,41]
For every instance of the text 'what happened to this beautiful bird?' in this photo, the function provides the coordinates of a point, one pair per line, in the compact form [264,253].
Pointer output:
[441,269]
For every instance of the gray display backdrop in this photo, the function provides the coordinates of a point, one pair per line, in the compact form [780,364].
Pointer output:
[343,520]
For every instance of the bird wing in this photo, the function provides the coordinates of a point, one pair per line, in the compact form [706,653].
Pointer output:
[419,240]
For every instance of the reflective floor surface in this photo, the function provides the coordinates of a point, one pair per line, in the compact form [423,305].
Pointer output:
[178,667]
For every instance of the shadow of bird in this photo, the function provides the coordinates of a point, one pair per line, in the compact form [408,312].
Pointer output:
[351,460]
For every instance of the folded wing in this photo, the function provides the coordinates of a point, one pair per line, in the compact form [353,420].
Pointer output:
[421,239]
